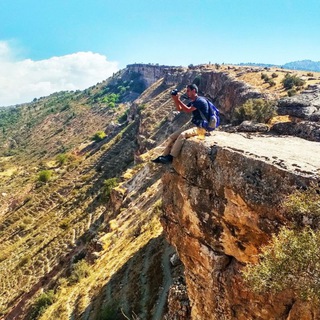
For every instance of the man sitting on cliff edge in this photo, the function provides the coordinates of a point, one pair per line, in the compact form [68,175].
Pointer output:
[199,107]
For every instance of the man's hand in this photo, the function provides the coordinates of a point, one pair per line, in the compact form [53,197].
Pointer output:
[176,97]
[177,102]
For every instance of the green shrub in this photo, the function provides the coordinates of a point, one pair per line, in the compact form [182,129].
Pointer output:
[109,312]
[141,107]
[112,105]
[62,158]
[274,75]
[24,260]
[271,82]
[290,261]
[264,77]
[122,90]
[98,136]
[258,110]
[41,304]
[64,224]
[291,81]
[44,176]
[108,185]
[79,270]
[111,99]
[291,92]
[123,118]
[303,202]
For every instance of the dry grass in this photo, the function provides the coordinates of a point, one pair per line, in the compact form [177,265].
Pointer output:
[131,230]
[254,78]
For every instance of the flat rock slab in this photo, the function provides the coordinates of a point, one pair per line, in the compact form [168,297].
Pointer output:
[290,153]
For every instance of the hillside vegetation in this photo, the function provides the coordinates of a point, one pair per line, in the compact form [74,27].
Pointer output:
[80,201]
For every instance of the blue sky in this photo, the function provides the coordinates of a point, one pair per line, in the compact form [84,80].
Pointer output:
[79,43]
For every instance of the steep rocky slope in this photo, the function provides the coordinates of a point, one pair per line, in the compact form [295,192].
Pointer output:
[91,235]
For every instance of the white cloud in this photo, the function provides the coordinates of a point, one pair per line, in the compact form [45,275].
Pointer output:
[22,81]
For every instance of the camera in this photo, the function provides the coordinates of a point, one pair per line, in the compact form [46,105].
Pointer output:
[174,92]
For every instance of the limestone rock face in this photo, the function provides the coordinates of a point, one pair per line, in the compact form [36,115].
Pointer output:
[305,110]
[304,129]
[303,105]
[221,205]
[151,73]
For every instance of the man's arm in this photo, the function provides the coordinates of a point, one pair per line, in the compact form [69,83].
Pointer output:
[180,105]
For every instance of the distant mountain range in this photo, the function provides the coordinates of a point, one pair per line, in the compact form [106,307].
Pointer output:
[306,65]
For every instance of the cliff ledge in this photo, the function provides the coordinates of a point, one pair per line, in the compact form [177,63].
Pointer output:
[222,202]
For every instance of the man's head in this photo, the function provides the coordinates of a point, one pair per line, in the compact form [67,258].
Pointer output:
[192,91]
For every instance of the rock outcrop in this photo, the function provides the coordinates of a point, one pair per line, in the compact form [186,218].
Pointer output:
[304,109]
[305,106]
[222,202]
[149,72]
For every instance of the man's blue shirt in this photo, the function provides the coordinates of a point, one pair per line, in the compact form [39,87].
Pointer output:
[200,104]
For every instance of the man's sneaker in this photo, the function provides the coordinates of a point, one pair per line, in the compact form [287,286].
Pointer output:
[163,159]
[166,159]
[156,160]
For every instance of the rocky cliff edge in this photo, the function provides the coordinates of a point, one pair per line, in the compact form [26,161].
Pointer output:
[222,202]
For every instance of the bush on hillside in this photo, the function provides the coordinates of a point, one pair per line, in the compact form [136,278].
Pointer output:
[45,176]
[80,270]
[258,110]
[110,312]
[108,185]
[62,158]
[292,92]
[290,81]
[304,202]
[292,259]
[98,136]
[41,304]
[124,117]
[271,83]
